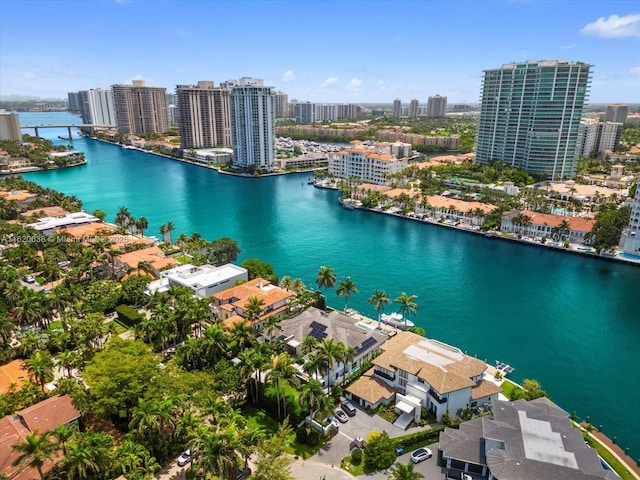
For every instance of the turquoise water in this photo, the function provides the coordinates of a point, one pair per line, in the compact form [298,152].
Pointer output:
[568,321]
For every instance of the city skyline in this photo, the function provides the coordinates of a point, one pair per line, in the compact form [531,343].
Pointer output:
[66,47]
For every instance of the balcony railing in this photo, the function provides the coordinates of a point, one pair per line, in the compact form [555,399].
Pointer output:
[383,374]
[436,397]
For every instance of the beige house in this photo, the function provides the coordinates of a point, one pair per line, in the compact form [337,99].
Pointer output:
[423,373]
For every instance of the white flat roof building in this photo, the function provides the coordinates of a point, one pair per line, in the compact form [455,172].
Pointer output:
[203,280]
[49,225]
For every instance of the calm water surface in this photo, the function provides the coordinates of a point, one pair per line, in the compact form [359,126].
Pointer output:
[570,322]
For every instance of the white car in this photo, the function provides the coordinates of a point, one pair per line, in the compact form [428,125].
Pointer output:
[184,458]
[420,455]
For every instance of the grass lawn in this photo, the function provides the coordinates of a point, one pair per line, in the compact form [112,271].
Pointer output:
[118,327]
[55,325]
[508,388]
[618,467]
[355,470]
[182,259]
[259,419]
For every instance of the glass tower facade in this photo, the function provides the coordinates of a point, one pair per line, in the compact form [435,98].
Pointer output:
[530,114]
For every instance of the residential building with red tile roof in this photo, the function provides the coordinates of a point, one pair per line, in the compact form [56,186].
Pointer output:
[371,164]
[153,256]
[42,417]
[548,225]
[230,305]
[13,373]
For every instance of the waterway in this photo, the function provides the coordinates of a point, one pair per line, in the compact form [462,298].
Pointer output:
[568,321]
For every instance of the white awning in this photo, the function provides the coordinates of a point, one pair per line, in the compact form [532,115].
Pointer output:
[405,407]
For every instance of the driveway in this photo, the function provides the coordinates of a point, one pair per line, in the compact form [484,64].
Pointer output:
[359,425]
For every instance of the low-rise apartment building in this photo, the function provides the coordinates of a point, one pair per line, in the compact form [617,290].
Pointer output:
[423,373]
[371,164]
[547,225]
[454,210]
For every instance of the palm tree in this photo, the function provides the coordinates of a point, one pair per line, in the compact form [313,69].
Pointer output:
[242,334]
[63,434]
[145,420]
[326,278]
[89,454]
[253,309]
[407,305]
[402,471]
[271,325]
[286,282]
[298,286]
[69,359]
[348,356]
[214,343]
[331,351]
[308,345]
[7,326]
[170,227]
[379,299]
[216,450]
[142,224]
[282,370]
[345,289]
[40,366]
[313,397]
[35,450]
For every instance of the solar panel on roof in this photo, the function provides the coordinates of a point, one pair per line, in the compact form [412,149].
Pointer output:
[317,326]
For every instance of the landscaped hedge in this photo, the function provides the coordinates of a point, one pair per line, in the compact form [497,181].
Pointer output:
[429,436]
[128,315]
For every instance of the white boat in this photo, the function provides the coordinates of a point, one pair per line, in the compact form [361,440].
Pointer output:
[396,320]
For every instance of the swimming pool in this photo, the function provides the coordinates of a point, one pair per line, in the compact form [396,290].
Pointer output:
[629,256]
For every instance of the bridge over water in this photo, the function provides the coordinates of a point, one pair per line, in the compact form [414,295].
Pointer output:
[68,126]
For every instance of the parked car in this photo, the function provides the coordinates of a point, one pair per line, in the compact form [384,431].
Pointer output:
[29,278]
[332,421]
[242,474]
[420,455]
[349,408]
[340,415]
[184,458]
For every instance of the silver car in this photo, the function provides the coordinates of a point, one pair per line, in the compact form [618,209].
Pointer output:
[420,455]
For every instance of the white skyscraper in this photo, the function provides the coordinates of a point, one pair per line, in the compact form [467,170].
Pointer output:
[253,125]
[630,241]
[100,104]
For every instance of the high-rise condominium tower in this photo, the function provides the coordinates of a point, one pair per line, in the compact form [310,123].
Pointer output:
[282,105]
[630,240]
[96,106]
[530,113]
[397,108]
[10,126]
[413,109]
[617,112]
[204,117]
[140,109]
[436,106]
[253,130]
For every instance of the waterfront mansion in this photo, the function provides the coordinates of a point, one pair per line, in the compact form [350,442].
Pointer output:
[418,373]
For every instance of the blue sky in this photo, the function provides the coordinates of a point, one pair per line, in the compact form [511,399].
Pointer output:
[323,51]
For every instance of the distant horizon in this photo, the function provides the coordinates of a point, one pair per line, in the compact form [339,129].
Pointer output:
[329,51]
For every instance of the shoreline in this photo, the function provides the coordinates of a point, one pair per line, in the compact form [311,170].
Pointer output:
[208,167]
[40,169]
[494,234]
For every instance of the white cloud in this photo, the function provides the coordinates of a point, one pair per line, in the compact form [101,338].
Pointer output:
[635,71]
[329,81]
[354,84]
[288,76]
[614,27]
[29,75]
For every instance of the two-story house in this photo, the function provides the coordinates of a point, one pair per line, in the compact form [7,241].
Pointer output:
[423,373]
[333,325]
[231,304]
